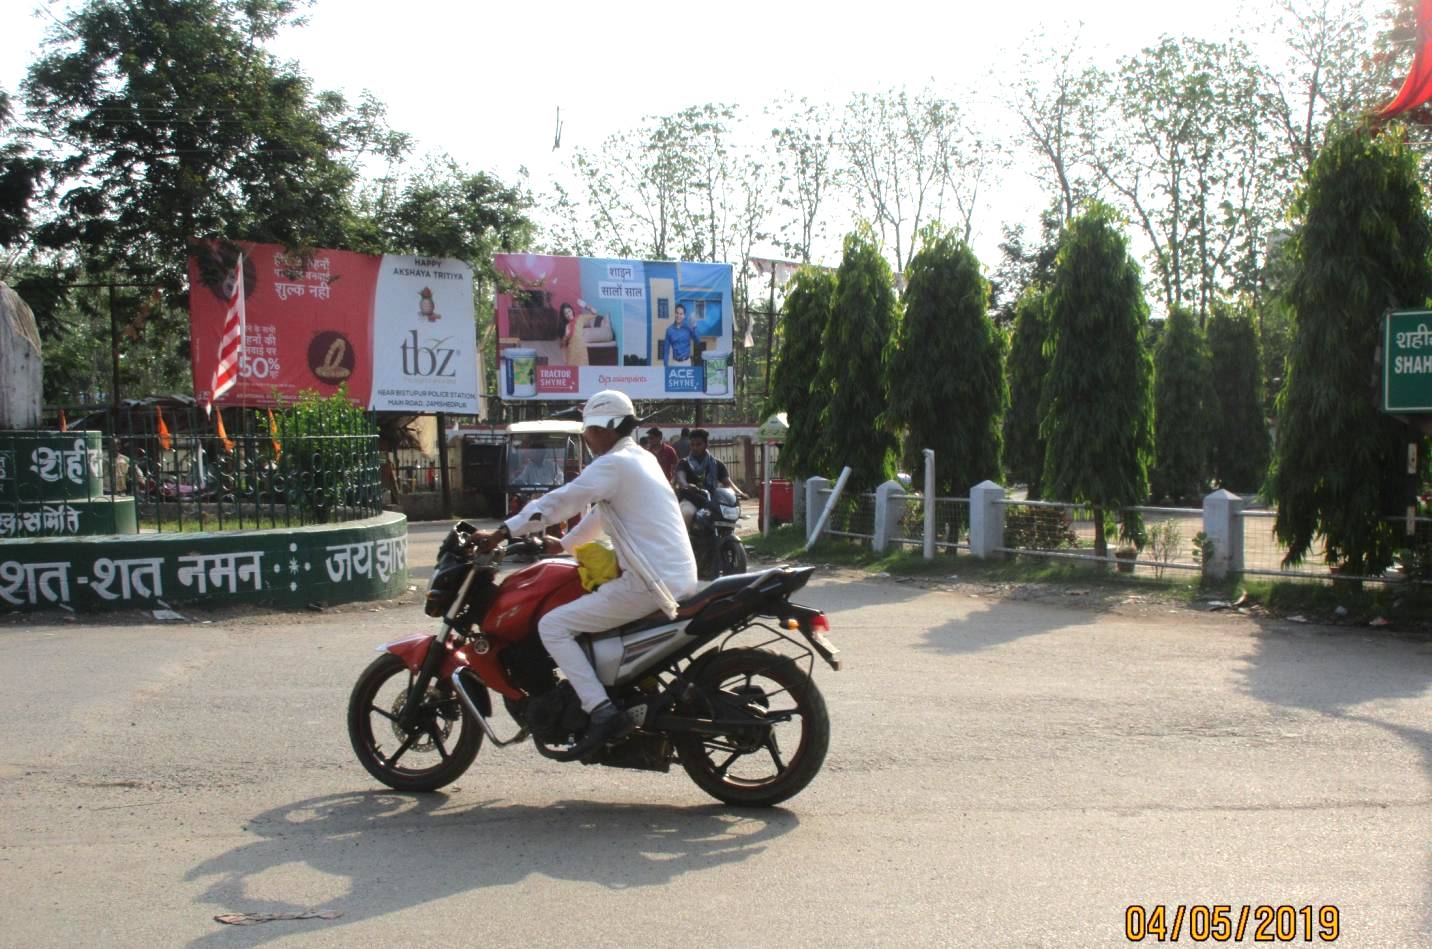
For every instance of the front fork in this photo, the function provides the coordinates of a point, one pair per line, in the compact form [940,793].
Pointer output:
[408,718]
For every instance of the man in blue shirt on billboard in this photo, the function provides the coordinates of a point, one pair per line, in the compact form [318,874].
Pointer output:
[680,340]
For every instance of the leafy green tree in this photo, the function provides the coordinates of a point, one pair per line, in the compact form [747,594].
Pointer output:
[947,386]
[20,174]
[174,121]
[798,386]
[171,120]
[1025,369]
[1362,248]
[855,360]
[1240,431]
[1097,416]
[1183,403]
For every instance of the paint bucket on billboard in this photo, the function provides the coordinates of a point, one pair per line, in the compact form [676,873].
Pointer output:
[716,364]
[521,372]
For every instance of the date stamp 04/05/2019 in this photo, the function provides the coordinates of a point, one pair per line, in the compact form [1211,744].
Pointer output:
[1219,922]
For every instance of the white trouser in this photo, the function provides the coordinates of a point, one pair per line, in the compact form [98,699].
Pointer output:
[612,604]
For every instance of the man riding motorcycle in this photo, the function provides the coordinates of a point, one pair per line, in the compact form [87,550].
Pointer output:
[699,475]
[635,507]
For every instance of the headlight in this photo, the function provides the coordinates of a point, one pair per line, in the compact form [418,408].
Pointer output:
[730,513]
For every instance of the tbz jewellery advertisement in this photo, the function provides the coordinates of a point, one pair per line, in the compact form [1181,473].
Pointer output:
[571,326]
[398,331]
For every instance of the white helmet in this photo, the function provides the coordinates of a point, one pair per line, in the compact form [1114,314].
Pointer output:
[606,409]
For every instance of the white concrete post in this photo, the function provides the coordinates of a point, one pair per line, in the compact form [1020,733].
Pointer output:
[929,504]
[986,520]
[765,493]
[813,503]
[1223,524]
[798,502]
[889,508]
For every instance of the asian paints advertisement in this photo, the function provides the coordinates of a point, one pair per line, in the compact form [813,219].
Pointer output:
[571,326]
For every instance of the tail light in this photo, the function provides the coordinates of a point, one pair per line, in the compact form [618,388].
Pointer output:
[819,624]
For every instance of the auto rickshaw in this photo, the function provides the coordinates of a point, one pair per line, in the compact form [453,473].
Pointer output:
[540,456]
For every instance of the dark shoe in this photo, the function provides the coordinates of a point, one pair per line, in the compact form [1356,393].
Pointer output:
[606,724]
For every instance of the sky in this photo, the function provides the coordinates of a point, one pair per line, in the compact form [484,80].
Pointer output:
[484,86]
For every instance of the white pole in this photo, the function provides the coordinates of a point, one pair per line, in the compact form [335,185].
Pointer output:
[829,506]
[765,490]
[929,504]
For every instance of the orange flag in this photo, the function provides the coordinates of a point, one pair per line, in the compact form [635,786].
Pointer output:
[224,438]
[165,442]
[273,434]
[64,425]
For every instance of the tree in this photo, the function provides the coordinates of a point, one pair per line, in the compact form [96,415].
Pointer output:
[1362,248]
[20,174]
[1239,431]
[1187,154]
[799,387]
[855,361]
[946,382]
[1097,415]
[171,120]
[1025,369]
[906,156]
[1183,402]
[805,161]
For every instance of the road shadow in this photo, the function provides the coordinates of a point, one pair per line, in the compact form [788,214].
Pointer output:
[1334,671]
[1000,622]
[399,851]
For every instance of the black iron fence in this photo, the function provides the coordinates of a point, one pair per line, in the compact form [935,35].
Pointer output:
[236,469]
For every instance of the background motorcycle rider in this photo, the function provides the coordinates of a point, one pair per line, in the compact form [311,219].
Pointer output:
[635,507]
[701,469]
[665,454]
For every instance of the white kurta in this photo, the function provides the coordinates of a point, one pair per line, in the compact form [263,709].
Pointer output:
[635,502]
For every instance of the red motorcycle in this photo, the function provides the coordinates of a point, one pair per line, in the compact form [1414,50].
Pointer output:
[746,722]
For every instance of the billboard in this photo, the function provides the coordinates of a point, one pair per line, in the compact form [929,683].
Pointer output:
[397,330]
[568,327]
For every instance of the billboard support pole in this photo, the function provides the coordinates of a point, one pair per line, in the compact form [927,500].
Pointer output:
[113,354]
[443,463]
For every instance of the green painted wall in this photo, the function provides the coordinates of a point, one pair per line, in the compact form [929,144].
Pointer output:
[52,485]
[288,567]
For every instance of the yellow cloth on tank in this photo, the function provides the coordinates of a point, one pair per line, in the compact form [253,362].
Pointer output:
[596,564]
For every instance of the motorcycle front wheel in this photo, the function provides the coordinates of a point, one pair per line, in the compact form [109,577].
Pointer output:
[767,764]
[731,556]
[435,753]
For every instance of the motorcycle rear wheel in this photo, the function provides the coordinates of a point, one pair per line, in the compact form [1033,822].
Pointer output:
[771,686]
[372,724]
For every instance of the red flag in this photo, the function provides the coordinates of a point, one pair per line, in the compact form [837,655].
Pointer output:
[231,343]
[165,442]
[1417,87]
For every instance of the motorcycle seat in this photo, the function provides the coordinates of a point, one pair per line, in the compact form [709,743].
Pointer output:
[693,604]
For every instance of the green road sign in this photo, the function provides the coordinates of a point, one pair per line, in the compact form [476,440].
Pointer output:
[1407,361]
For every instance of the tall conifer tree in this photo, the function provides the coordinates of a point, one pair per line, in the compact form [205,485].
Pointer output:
[1098,398]
[856,361]
[947,390]
[1183,403]
[1240,433]
[1362,249]
[1025,370]
[798,387]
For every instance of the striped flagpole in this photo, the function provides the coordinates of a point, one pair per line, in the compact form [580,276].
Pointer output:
[231,343]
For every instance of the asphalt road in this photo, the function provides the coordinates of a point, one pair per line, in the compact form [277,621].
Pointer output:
[1001,773]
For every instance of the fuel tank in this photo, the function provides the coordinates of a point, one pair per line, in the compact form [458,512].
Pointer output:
[526,594]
